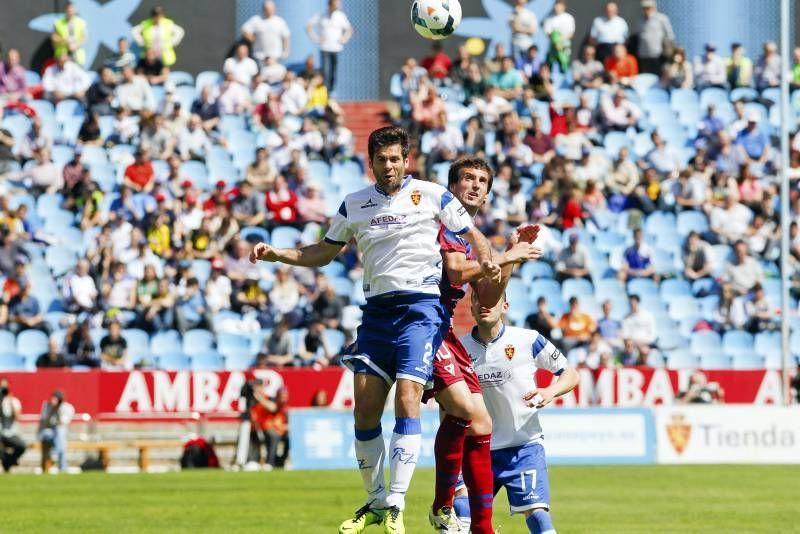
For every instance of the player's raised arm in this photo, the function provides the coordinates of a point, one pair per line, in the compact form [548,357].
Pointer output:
[521,249]
[315,255]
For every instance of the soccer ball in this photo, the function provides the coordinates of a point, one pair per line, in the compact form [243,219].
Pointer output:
[435,19]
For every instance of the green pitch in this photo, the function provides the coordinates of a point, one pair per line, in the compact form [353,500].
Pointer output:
[585,499]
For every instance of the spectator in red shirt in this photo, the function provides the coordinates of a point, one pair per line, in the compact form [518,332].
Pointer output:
[438,63]
[571,210]
[281,204]
[219,197]
[139,174]
[622,66]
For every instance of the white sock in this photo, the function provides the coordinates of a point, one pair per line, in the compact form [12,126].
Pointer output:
[403,455]
[370,454]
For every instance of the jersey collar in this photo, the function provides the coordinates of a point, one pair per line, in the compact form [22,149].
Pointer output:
[406,181]
[475,335]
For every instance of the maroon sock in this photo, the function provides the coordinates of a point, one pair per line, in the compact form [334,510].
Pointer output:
[480,482]
[449,452]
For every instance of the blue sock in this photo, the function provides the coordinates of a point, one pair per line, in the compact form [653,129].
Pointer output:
[461,507]
[540,522]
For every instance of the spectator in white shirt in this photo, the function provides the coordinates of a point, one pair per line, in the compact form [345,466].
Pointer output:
[44,176]
[218,288]
[241,65]
[193,143]
[134,93]
[273,72]
[294,97]
[710,70]
[744,271]
[639,326]
[618,112]
[234,98]
[608,31]
[523,24]
[80,291]
[731,221]
[64,79]
[331,30]
[268,34]
[768,68]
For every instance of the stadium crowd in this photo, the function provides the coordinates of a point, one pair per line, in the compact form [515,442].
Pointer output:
[131,197]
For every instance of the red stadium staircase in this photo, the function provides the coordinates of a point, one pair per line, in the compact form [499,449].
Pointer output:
[363,117]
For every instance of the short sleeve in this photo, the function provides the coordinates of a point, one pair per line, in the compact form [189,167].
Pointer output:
[547,356]
[453,215]
[340,231]
[450,242]
[249,26]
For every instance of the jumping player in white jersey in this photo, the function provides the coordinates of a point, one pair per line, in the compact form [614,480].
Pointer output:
[396,224]
[505,359]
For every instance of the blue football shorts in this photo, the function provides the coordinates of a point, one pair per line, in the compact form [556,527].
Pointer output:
[522,471]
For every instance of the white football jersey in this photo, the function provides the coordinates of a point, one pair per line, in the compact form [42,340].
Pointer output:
[398,235]
[506,368]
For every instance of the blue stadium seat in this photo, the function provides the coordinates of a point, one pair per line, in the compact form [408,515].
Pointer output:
[185,95]
[705,342]
[692,221]
[138,343]
[60,259]
[773,359]
[578,287]
[656,96]
[197,172]
[343,286]
[179,78]
[704,286]
[208,78]
[8,340]
[31,343]
[655,359]
[224,319]
[672,340]
[549,289]
[69,108]
[747,361]
[519,309]
[47,203]
[254,234]
[738,342]
[713,95]
[334,269]
[532,270]
[228,343]
[681,308]
[681,359]
[335,340]
[239,361]
[174,361]
[613,141]
[11,361]
[319,170]
[165,343]
[209,360]
[285,237]
[764,342]
[642,286]
[743,93]
[608,288]
[715,360]
[197,341]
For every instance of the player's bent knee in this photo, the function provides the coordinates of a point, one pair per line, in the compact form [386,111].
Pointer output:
[408,397]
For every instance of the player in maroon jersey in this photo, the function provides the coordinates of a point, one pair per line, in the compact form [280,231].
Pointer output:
[462,442]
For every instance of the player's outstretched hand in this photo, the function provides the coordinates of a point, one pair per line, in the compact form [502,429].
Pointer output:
[538,398]
[527,233]
[260,252]
[524,251]
[492,271]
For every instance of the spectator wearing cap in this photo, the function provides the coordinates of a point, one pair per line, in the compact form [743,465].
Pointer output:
[218,289]
[241,66]
[191,308]
[573,261]
[739,68]
[637,260]
[438,63]
[123,57]
[219,197]
[655,30]
[134,93]
[139,175]
[69,35]
[576,326]
[12,76]
[744,271]
[768,68]
[588,71]
[608,31]
[559,28]
[152,68]
[709,69]
[64,79]
[753,144]
[160,34]
[268,34]
[193,142]
[621,66]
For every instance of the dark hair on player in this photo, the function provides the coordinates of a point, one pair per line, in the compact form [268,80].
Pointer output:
[383,137]
[469,163]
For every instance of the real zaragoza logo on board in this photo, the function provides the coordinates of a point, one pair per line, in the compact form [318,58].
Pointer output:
[679,432]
